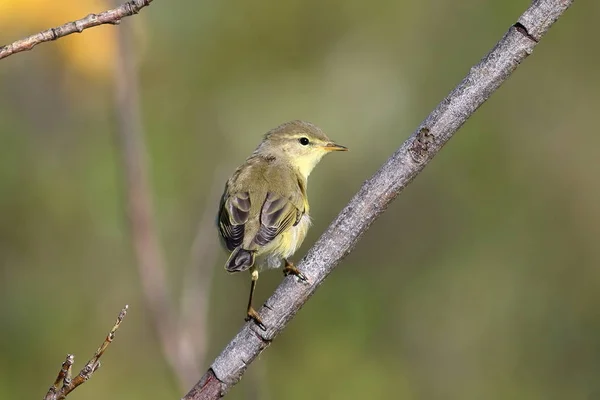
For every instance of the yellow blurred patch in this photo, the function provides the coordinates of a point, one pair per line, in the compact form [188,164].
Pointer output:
[90,53]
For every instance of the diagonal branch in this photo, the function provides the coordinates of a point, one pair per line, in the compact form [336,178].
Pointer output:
[112,17]
[378,192]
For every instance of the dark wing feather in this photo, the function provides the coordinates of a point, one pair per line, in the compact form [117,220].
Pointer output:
[233,217]
[277,215]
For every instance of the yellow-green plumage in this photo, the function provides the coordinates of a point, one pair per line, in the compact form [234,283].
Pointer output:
[264,209]
[275,231]
[264,214]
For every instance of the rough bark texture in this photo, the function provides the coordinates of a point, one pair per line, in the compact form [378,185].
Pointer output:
[112,17]
[377,193]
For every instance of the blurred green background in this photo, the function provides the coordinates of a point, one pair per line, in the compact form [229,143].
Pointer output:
[481,281]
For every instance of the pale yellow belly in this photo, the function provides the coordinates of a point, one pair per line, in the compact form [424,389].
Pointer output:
[286,244]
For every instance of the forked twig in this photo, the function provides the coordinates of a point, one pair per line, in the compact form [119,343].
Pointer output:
[58,391]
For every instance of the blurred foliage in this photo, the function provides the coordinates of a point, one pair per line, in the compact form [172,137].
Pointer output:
[481,281]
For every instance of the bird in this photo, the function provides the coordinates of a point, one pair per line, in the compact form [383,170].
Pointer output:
[263,214]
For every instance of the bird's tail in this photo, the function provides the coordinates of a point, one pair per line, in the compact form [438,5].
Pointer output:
[240,260]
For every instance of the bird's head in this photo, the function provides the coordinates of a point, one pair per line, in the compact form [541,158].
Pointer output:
[299,143]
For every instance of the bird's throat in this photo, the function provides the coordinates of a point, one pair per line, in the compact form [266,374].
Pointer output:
[305,165]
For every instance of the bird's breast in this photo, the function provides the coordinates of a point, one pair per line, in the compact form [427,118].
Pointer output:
[298,233]
[286,244]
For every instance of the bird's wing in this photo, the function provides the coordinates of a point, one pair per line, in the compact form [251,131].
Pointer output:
[277,215]
[233,215]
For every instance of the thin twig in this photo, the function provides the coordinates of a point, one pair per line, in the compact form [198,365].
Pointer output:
[149,255]
[64,377]
[112,17]
[58,392]
[377,193]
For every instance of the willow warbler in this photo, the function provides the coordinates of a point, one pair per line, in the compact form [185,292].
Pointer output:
[263,215]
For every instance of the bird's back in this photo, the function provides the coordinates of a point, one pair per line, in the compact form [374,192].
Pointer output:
[263,199]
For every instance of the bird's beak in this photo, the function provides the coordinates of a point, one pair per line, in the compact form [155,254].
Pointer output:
[334,147]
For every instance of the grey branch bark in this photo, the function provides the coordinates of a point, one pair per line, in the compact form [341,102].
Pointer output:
[112,17]
[378,192]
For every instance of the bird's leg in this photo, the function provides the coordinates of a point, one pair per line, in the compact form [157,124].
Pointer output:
[290,269]
[251,313]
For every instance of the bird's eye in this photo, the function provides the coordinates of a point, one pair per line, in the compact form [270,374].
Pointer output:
[303,141]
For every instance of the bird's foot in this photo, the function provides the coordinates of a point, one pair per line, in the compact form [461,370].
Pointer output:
[253,315]
[290,269]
